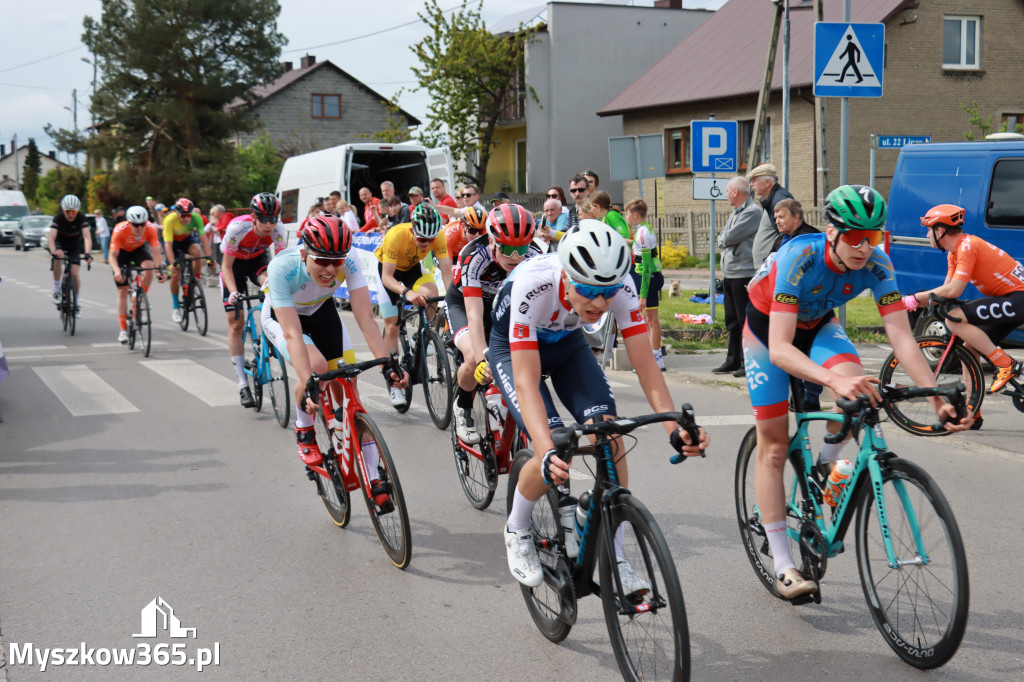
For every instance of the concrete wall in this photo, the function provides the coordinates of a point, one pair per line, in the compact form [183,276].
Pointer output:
[587,56]
[288,115]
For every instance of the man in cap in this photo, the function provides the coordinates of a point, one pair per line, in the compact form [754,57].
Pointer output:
[764,181]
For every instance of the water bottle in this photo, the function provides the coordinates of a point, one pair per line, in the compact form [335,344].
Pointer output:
[581,512]
[567,514]
[837,480]
[493,407]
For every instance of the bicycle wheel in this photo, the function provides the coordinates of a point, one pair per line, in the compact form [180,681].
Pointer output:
[199,307]
[142,321]
[392,520]
[437,379]
[406,356]
[186,302]
[279,396]
[331,489]
[132,320]
[648,632]
[478,473]
[67,308]
[917,416]
[251,352]
[752,533]
[920,607]
[552,604]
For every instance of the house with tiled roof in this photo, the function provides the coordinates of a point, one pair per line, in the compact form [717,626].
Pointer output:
[940,55]
[315,106]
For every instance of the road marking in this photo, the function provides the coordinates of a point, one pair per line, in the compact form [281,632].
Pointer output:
[726,420]
[213,389]
[82,391]
[118,344]
[35,349]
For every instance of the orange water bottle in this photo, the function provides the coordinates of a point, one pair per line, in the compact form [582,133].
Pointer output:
[837,480]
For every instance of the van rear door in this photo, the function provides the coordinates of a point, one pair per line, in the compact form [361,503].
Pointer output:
[439,164]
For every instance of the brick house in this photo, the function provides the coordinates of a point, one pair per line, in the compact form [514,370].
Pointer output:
[718,69]
[315,106]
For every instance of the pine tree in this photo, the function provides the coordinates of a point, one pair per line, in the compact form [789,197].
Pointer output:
[33,169]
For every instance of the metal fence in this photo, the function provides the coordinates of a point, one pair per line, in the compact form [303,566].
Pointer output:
[691,229]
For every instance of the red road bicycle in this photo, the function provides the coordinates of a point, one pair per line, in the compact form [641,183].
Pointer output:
[343,430]
[479,465]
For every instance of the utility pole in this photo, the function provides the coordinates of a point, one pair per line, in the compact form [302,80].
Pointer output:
[74,116]
[766,85]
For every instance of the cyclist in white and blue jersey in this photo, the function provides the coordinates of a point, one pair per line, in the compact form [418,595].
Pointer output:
[538,320]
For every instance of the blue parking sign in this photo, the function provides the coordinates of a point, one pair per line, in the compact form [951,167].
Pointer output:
[848,59]
[714,146]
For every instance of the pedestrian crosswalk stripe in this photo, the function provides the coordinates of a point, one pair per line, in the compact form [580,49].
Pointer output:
[33,349]
[82,391]
[212,388]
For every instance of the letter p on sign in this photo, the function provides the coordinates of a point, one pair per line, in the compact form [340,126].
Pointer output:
[715,142]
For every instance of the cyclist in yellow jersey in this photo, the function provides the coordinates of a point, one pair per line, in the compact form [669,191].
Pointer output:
[180,240]
[402,274]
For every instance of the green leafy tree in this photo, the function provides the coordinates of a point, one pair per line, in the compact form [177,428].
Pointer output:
[261,167]
[977,120]
[60,181]
[168,69]
[32,170]
[397,129]
[471,75]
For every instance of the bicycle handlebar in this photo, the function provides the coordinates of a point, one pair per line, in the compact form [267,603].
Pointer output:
[259,295]
[940,307]
[894,394]
[347,372]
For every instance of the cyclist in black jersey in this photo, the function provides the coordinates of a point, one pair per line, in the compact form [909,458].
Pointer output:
[69,236]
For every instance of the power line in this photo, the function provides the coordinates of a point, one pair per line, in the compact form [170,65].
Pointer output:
[43,59]
[367,35]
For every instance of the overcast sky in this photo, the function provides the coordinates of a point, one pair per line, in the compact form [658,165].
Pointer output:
[43,52]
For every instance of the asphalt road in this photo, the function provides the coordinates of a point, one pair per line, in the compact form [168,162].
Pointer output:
[125,480]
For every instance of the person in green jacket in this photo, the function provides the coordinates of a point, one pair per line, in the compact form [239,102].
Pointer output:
[646,271]
[603,211]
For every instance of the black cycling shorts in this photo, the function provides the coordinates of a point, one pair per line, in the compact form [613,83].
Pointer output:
[180,247]
[243,270]
[407,277]
[127,258]
[73,248]
[997,316]
[455,308]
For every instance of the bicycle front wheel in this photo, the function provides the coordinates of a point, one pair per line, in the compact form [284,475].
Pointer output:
[647,627]
[251,351]
[67,309]
[331,489]
[199,307]
[917,416]
[133,317]
[920,604]
[408,361]
[437,379]
[478,471]
[552,604]
[391,518]
[279,396]
[142,320]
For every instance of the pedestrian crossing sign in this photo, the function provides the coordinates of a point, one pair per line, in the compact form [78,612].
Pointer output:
[849,59]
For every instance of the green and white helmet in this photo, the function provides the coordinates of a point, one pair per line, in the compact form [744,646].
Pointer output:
[856,207]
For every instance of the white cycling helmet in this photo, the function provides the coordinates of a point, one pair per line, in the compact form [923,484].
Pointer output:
[593,253]
[137,215]
[70,203]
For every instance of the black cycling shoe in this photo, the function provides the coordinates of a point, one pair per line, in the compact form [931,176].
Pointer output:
[245,395]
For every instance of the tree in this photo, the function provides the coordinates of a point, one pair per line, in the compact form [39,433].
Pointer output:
[56,183]
[261,167]
[472,77]
[168,69]
[33,168]
[397,129]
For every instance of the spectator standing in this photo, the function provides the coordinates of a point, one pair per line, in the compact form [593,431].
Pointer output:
[347,215]
[102,233]
[331,202]
[212,233]
[737,242]
[764,181]
[500,198]
[395,212]
[554,223]
[593,180]
[387,190]
[441,196]
[471,197]
[646,272]
[556,192]
[603,210]
[415,198]
[150,206]
[579,188]
[371,211]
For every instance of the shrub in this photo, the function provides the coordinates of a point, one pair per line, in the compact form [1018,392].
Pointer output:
[674,256]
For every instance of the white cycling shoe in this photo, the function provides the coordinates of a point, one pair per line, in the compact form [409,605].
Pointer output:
[632,582]
[123,336]
[176,315]
[397,396]
[522,557]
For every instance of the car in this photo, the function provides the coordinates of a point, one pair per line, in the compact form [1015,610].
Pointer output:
[31,230]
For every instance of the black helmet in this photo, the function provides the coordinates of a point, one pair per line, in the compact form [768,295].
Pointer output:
[265,207]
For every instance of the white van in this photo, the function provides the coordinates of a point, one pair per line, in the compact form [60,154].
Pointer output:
[13,206]
[349,167]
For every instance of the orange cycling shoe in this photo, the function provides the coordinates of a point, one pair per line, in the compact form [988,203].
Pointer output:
[1004,375]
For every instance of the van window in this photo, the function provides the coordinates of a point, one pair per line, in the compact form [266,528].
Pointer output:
[371,167]
[290,206]
[12,212]
[1005,200]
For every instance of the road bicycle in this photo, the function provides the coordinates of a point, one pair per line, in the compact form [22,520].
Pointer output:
[139,321]
[949,359]
[647,627]
[343,430]
[910,556]
[424,357]
[66,306]
[264,364]
[193,300]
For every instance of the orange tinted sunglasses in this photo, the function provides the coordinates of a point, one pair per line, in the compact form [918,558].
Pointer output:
[856,237]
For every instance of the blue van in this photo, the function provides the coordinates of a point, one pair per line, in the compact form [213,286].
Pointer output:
[985,178]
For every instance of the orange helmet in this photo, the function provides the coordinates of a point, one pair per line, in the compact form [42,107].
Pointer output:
[474,218]
[943,215]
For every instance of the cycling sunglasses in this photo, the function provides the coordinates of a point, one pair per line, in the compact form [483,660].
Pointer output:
[856,237]
[325,262]
[509,251]
[590,291]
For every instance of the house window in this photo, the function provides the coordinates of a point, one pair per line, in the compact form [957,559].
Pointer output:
[960,42]
[677,146]
[746,134]
[326,106]
[1013,123]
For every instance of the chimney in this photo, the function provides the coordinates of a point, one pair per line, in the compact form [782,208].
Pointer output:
[307,61]
[52,155]
[286,67]
[3,150]
[668,4]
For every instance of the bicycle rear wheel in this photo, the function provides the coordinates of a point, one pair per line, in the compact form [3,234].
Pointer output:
[917,416]
[477,474]
[142,321]
[199,307]
[648,629]
[920,606]
[331,489]
[133,316]
[552,604]
[279,396]
[391,521]
[437,379]
[251,351]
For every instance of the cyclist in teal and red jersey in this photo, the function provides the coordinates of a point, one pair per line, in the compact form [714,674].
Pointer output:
[247,241]
[986,321]
[791,330]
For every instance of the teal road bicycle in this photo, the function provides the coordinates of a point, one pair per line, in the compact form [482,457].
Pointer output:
[910,555]
[264,364]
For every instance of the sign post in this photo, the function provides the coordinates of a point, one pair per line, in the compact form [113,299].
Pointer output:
[892,142]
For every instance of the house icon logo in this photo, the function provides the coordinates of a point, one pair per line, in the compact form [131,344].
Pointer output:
[158,615]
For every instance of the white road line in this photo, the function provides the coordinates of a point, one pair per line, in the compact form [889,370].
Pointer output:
[118,344]
[82,391]
[35,349]
[213,389]
[726,420]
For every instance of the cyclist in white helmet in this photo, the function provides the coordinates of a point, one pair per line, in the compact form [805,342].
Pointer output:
[134,242]
[69,236]
[537,330]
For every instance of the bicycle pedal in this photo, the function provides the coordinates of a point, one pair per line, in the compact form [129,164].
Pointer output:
[310,474]
[812,598]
